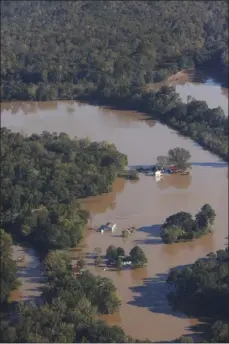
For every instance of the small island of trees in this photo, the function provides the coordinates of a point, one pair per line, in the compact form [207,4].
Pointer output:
[116,256]
[182,227]
[177,157]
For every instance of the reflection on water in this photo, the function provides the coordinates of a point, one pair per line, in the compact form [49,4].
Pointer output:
[175,181]
[144,204]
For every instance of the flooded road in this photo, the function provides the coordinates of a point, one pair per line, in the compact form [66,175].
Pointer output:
[144,204]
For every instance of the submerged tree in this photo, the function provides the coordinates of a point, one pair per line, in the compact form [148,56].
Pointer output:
[179,157]
[138,257]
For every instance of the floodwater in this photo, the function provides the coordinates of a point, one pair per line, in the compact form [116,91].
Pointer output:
[29,273]
[144,204]
[198,85]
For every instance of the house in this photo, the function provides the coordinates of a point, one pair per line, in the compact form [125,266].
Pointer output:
[109,226]
[126,262]
[158,174]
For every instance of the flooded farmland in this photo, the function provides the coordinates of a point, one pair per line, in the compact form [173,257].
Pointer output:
[144,204]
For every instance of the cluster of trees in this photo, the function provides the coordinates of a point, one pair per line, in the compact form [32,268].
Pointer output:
[202,290]
[8,280]
[42,175]
[62,50]
[117,256]
[182,226]
[178,157]
[69,309]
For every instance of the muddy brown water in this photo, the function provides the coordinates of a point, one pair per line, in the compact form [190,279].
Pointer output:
[198,85]
[144,204]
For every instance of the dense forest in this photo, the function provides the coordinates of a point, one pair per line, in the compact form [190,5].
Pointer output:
[41,178]
[202,290]
[63,49]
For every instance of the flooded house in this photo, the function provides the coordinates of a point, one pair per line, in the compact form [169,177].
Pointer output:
[109,226]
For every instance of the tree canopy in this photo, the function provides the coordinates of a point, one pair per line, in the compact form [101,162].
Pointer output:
[179,157]
[181,226]
[41,178]
[202,290]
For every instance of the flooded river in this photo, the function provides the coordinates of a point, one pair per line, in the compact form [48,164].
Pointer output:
[144,204]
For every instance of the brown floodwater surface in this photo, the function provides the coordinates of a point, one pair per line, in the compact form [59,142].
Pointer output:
[144,204]
[198,85]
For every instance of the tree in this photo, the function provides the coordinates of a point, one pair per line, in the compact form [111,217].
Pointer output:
[171,234]
[98,260]
[56,264]
[209,212]
[179,157]
[120,252]
[111,253]
[163,161]
[181,219]
[119,263]
[100,332]
[137,256]
[205,217]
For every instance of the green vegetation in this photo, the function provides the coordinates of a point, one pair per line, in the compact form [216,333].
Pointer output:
[65,50]
[182,227]
[116,256]
[178,157]
[42,176]
[70,308]
[208,127]
[138,257]
[201,290]
[8,278]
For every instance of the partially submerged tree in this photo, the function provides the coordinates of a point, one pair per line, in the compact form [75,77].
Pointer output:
[182,226]
[138,257]
[179,157]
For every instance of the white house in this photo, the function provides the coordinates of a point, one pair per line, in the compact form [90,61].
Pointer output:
[158,174]
[109,226]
